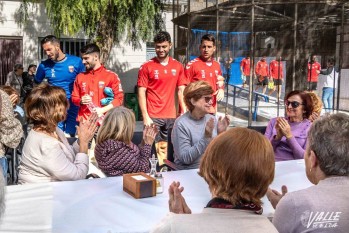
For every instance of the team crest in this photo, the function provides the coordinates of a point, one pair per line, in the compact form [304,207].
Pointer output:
[101,84]
[174,72]
[216,72]
[71,69]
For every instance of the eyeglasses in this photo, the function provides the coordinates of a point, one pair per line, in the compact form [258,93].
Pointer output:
[207,98]
[294,104]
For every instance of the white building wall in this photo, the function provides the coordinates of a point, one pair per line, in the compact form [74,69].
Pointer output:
[124,60]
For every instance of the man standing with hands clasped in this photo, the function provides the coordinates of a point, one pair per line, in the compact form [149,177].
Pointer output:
[158,79]
[205,68]
[89,86]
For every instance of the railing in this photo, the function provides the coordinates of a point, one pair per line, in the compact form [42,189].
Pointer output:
[255,96]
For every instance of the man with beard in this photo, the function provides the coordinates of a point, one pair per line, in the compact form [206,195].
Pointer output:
[60,70]
[205,68]
[158,79]
[89,86]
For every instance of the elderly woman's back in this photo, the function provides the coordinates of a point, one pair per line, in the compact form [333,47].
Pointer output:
[238,166]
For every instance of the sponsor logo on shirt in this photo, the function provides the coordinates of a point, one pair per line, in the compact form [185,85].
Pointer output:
[174,72]
[165,71]
[53,73]
[203,74]
[71,69]
[83,87]
[156,74]
[320,219]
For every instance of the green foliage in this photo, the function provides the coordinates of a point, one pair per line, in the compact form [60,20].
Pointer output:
[104,21]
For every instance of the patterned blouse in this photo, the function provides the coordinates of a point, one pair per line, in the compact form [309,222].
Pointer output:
[116,158]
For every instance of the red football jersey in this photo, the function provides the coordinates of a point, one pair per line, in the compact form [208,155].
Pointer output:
[161,82]
[262,68]
[314,75]
[199,69]
[246,66]
[274,69]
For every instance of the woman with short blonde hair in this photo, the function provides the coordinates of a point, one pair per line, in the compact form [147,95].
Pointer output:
[114,152]
[194,130]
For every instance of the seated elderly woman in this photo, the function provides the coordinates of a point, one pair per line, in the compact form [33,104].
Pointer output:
[238,167]
[114,152]
[194,130]
[325,206]
[288,135]
[47,155]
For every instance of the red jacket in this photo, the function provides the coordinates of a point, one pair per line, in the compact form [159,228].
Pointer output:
[93,82]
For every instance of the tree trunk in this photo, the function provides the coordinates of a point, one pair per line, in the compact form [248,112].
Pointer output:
[105,38]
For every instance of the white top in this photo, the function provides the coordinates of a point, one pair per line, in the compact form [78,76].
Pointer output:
[46,159]
[215,220]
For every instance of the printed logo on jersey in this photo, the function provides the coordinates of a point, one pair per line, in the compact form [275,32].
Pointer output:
[174,72]
[101,84]
[71,69]
[53,73]
[216,72]
[211,75]
[320,219]
[83,87]
[156,74]
[202,73]
[165,71]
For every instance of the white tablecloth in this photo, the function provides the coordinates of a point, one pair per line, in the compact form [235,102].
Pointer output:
[100,205]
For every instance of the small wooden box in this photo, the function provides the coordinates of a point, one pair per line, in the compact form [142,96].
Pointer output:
[139,185]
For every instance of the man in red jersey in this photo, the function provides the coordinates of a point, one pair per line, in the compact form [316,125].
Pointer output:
[158,79]
[89,86]
[245,68]
[262,74]
[314,69]
[276,73]
[207,69]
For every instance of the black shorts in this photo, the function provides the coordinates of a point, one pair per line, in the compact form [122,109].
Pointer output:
[264,82]
[247,81]
[312,86]
[277,82]
[163,125]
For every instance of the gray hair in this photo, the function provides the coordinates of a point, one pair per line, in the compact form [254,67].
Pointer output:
[328,137]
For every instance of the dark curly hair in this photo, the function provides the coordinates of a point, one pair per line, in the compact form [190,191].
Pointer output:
[162,37]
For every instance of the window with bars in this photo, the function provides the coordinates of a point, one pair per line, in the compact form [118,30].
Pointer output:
[68,45]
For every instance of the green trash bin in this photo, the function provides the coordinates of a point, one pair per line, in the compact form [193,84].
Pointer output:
[131,102]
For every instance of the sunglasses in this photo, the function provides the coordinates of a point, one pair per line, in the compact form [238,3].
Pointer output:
[294,104]
[207,98]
